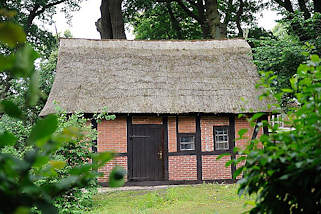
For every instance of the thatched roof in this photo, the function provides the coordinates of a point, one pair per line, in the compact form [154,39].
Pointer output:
[155,77]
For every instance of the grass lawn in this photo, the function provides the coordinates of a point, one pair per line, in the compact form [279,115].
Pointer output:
[205,198]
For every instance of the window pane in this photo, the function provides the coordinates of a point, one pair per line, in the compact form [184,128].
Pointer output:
[221,138]
[226,145]
[187,142]
[219,131]
[187,139]
[188,146]
[218,146]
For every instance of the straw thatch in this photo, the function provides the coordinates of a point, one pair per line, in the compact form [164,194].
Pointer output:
[155,77]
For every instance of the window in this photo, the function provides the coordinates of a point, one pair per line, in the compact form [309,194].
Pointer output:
[277,119]
[186,142]
[221,141]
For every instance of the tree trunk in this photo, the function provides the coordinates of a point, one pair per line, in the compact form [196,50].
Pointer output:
[304,9]
[111,23]
[317,6]
[103,24]
[217,30]
[202,20]
[238,18]
[174,22]
[116,18]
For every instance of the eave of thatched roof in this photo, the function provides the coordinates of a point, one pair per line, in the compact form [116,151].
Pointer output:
[167,77]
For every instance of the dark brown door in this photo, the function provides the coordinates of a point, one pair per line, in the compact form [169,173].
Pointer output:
[147,157]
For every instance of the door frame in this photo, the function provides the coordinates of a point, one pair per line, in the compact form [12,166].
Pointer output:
[164,146]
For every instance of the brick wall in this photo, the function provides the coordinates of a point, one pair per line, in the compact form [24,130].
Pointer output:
[147,120]
[242,123]
[207,124]
[172,143]
[182,167]
[112,135]
[118,161]
[213,169]
[186,125]
[242,163]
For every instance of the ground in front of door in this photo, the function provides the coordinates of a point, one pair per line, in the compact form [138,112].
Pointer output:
[203,198]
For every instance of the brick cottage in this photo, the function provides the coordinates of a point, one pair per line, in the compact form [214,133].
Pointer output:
[176,103]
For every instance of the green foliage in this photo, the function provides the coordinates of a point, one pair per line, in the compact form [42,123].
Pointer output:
[304,29]
[11,35]
[169,20]
[25,13]
[47,73]
[54,161]
[116,177]
[18,89]
[286,172]
[282,53]
[155,23]
[74,154]
[103,115]
[280,56]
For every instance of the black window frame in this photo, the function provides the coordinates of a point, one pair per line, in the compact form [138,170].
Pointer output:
[179,135]
[229,137]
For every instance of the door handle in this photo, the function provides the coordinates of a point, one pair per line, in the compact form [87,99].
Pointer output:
[160,155]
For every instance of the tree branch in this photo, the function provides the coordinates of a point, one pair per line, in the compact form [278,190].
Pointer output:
[186,10]
[317,6]
[238,18]
[286,4]
[174,21]
[192,3]
[203,21]
[228,15]
[36,12]
[49,6]
[32,15]
[304,9]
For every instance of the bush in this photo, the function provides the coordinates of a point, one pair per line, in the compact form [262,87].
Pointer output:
[286,172]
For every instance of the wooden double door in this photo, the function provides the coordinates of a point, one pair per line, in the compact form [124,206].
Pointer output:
[147,152]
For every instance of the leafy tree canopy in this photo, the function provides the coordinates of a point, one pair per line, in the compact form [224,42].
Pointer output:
[296,14]
[29,12]
[188,19]
[282,52]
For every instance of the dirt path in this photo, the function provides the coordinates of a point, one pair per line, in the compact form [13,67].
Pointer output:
[133,188]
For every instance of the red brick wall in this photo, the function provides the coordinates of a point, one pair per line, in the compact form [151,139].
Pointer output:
[186,125]
[118,161]
[182,167]
[112,135]
[147,120]
[207,124]
[172,143]
[242,163]
[215,169]
[242,123]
